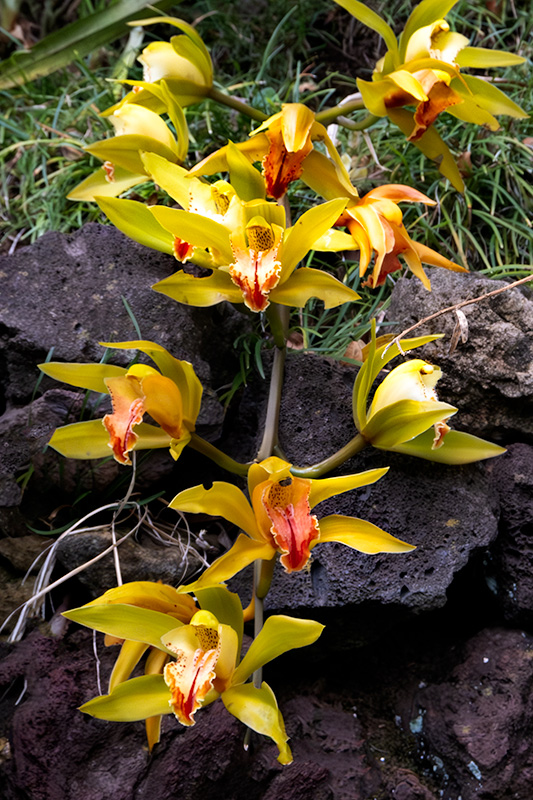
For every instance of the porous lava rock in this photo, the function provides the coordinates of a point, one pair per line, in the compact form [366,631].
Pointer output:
[490,375]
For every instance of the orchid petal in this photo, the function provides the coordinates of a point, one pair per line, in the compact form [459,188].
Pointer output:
[172,178]
[202,292]
[128,658]
[125,621]
[484,58]
[99,184]
[408,83]
[242,553]
[149,594]
[403,420]
[360,535]
[221,500]
[306,283]
[247,181]
[423,14]
[85,440]
[225,605]
[258,709]
[278,635]
[85,376]
[196,229]
[136,699]
[124,151]
[372,20]
[490,98]
[322,175]
[431,144]
[135,220]
[309,227]
[181,372]
[323,489]
[457,448]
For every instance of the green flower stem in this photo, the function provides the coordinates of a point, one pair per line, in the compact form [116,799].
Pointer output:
[331,114]
[354,446]
[263,571]
[216,455]
[365,123]
[278,317]
[238,105]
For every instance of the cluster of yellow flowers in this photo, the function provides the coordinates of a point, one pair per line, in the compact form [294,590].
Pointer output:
[240,231]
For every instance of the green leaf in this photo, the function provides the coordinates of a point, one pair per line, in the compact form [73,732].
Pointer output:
[278,635]
[72,42]
[126,622]
[136,699]
[457,448]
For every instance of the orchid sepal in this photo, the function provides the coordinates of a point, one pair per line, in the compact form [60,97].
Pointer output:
[278,635]
[131,701]
[403,420]
[126,622]
[458,448]
[361,535]
[257,709]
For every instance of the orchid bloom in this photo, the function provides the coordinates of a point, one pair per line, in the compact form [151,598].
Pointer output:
[281,143]
[171,396]
[183,65]
[255,256]
[136,129]
[405,414]
[195,659]
[375,222]
[423,69]
[278,519]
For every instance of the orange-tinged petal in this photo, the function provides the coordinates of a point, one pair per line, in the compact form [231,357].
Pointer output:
[256,268]
[397,192]
[440,98]
[162,400]
[292,526]
[128,410]
[281,166]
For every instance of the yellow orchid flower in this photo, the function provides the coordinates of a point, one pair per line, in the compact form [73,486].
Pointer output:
[423,69]
[182,65]
[137,129]
[171,396]
[255,256]
[405,408]
[193,662]
[278,519]
[375,222]
[282,144]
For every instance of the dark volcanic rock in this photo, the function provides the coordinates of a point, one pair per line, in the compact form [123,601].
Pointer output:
[490,377]
[511,567]
[476,720]
[77,284]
